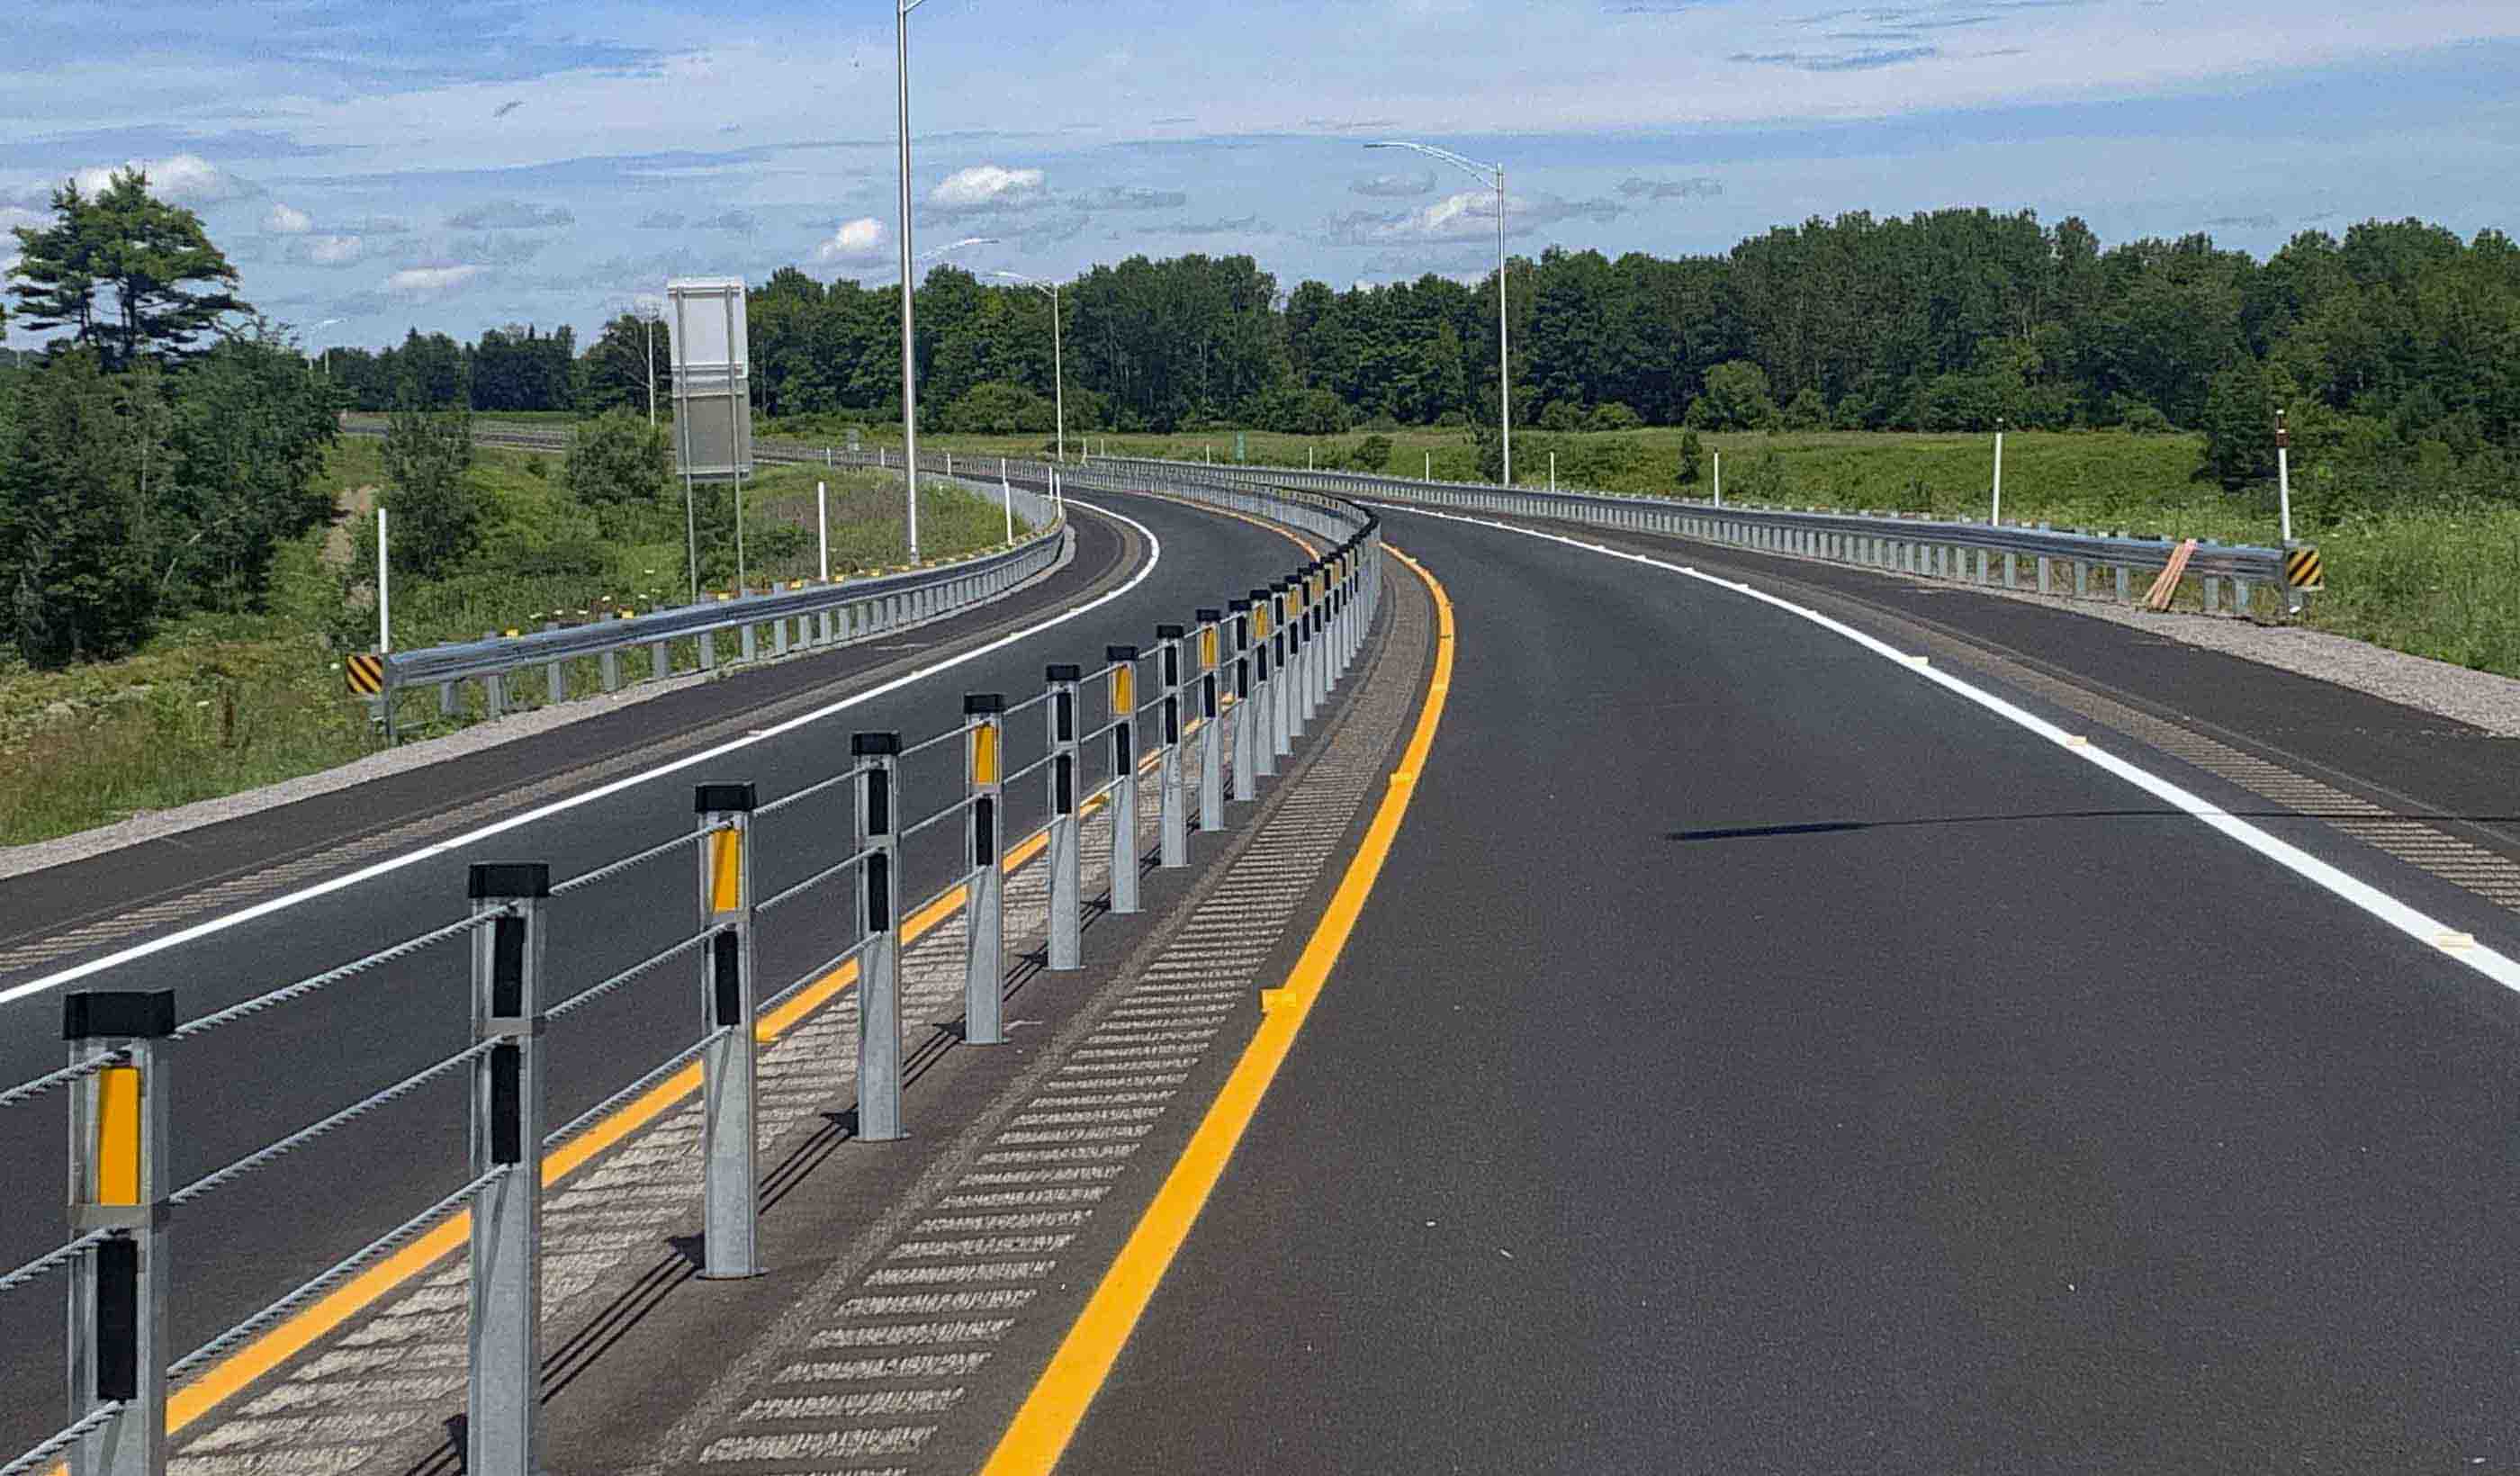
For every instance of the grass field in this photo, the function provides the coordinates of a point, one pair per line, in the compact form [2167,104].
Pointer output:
[2435,581]
[216,704]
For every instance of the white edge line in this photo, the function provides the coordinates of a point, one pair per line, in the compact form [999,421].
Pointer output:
[264,908]
[2420,927]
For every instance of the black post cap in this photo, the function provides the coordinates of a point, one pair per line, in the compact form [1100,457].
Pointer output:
[1119,654]
[508,878]
[1240,606]
[1259,595]
[1168,632]
[708,797]
[977,703]
[95,1013]
[873,745]
[1210,616]
[1064,671]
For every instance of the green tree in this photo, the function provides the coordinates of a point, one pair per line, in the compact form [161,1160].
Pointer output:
[248,432]
[612,375]
[77,532]
[1808,412]
[2238,423]
[998,408]
[1692,458]
[126,273]
[434,515]
[1737,397]
[615,459]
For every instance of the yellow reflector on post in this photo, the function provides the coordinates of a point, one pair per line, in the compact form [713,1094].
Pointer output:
[1208,649]
[117,1136]
[984,755]
[726,870]
[1124,690]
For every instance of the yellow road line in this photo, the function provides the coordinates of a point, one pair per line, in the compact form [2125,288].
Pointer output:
[293,1336]
[1056,1406]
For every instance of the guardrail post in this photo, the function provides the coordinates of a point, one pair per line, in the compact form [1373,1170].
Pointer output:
[555,679]
[984,907]
[1211,730]
[504,1399]
[119,1179]
[1124,776]
[1172,798]
[1263,744]
[1293,659]
[1317,643]
[728,1135]
[1064,885]
[1282,692]
[879,960]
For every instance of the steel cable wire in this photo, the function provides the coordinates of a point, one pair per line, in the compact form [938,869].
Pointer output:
[594,992]
[358,1261]
[54,1260]
[69,1435]
[608,871]
[264,1156]
[808,792]
[25,1092]
[325,980]
[588,1118]
[810,882]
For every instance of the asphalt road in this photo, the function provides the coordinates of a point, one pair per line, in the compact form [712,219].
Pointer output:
[246,1086]
[1755,1057]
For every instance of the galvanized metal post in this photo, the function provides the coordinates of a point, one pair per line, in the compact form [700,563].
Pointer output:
[1211,729]
[1264,697]
[1282,738]
[1172,799]
[984,907]
[1293,655]
[1065,921]
[120,1182]
[503,1402]
[729,1138]
[877,755]
[1245,762]
[1124,776]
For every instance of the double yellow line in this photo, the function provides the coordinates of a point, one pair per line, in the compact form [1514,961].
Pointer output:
[1056,1406]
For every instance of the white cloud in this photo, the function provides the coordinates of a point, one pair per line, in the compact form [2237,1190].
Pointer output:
[985,185]
[1469,215]
[286,220]
[184,179]
[12,216]
[859,239]
[332,250]
[431,278]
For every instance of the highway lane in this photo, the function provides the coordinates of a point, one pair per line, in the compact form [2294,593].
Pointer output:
[1756,1057]
[249,1085]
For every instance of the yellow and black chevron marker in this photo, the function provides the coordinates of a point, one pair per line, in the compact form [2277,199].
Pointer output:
[366,674]
[2304,569]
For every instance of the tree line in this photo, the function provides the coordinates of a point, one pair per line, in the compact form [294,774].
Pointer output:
[2394,346]
[163,445]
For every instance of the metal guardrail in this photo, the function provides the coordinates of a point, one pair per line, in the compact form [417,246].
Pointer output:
[1894,541]
[1252,672]
[809,614]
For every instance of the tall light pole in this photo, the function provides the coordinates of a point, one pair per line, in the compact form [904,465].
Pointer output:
[1058,375]
[648,325]
[1492,175]
[328,349]
[909,365]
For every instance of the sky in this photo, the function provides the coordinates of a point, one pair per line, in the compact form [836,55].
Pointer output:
[465,164]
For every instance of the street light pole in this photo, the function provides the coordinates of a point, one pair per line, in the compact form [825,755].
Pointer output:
[1057,374]
[909,365]
[1504,371]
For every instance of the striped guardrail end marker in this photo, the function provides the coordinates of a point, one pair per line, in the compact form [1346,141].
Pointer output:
[2304,569]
